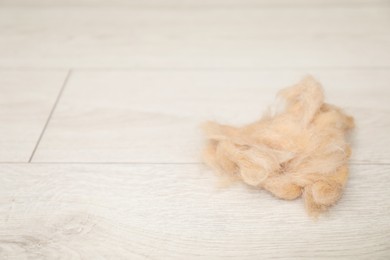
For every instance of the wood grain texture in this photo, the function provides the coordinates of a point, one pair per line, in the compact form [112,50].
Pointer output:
[176,212]
[154,116]
[194,38]
[191,3]
[117,173]
[26,99]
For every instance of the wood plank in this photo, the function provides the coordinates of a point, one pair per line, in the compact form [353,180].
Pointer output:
[190,3]
[153,116]
[58,37]
[26,99]
[176,212]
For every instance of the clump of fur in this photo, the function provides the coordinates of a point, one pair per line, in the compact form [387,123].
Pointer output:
[300,151]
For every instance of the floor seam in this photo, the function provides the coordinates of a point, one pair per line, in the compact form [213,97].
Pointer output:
[148,68]
[50,114]
[152,163]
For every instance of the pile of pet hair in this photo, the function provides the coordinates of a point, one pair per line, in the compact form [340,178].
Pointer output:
[299,151]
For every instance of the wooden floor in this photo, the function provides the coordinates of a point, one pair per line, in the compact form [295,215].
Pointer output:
[100,103]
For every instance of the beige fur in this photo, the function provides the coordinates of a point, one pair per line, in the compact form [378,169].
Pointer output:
[301,150]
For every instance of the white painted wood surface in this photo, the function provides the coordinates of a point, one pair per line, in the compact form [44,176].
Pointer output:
[192,3]
[26,99]
[249,37]
[175,212]
[124,116]
[117,175]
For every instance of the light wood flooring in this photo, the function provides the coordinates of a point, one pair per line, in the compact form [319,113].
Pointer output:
[100,106]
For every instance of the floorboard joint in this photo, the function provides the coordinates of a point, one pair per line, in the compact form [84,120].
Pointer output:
[50,115]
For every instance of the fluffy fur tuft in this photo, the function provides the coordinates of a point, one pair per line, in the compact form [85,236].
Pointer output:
[300,151]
